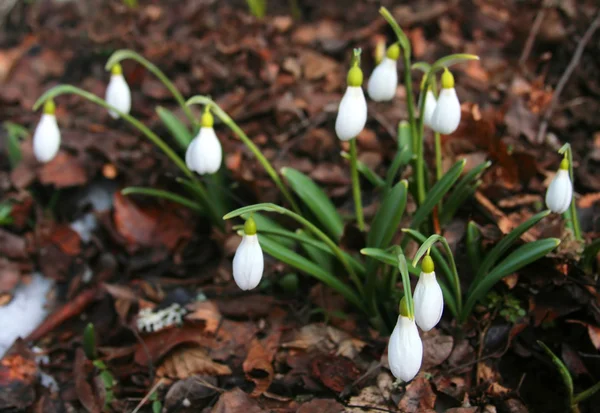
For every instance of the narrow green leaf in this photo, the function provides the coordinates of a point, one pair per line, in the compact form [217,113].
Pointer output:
[403,155]
[387,219]
[156,406]
[474,246]
[436,193]
[14,134]
[266,224]
[579,397]
[562,370]
[451,60]
[89,342]
[323,258]
[494,255]
[99,364]
[316,200]
[178,130]
[367,172]
[461,191]
[107,379]
[302,264]
[159,193]
[519,258]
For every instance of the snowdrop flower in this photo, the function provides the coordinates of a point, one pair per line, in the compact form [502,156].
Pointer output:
[560,191]
[204,154]
[446,115]
[46,138]
[248,262]
[352,112]
[384,80]
[405,349]
[117,92]
[428,298]
[430,104]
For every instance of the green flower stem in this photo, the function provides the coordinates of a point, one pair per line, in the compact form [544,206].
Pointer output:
[571,217]
[403,268]
[579,397]
[154,138]
[124,54]
[356,185]
[159,193]
[420,162]
[226,119]
[310,227]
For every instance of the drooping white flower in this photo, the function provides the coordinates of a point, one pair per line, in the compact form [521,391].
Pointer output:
[428,297]
[560,190]
[384,79]
[204,154]
[430,104]
[248,261]
[352,112]
[405,349]
[446,116]
[117,92]
[46,138]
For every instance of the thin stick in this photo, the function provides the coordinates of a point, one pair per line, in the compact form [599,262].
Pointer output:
[147,396]
[566,75]
[535,28]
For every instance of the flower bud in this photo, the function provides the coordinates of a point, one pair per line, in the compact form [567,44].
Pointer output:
[46,138]
[560,190]
[428,297]
[352,112]
[446,115]
[384,80]
[204,154]
[118,94]
[405,349]
[248,262]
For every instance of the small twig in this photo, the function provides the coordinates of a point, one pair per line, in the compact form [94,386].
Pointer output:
[535,28]
[147,396]
[566,75]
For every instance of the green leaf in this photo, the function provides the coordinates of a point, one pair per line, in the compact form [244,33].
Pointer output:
[403,155]
[474,245]
[323,258]
[494,255]
[159,193]
[156,406]
[562,369]
[266,224]
[89,342]
[107,379]
[579,397]
[451,60]
[589,255]
[178,130]
[99,364]
[422,66]
[387,219]
[367,172]
[14,134]
[519,258]
[388,258]
[302,264]
[463,189]
[6,208]
[436,193]
[258,8]
[316,200]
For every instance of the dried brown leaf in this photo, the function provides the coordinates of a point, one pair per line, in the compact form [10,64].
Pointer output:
[236,401]
[419,396]
[258,367]
[184,362]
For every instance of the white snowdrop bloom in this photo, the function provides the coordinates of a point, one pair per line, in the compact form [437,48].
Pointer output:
[446,115]
[248,261]
[384,79]
[560,191]
[204,154]
[46,138]
[428,297]
[352,112]
[117,92]
[405,349]
[430,104]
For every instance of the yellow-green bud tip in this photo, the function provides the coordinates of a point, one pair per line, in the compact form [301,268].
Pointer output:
[207,120]
[49,107]
[564,164]
[393,52]
[116,69]
[427,264]
[447,79]
[250,227]
[355,77]
[403,307]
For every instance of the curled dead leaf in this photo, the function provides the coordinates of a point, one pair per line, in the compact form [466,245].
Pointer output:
[258,367]
[184,362]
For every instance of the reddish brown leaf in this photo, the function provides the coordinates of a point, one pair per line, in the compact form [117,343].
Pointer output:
[83,389]
[236,401]
[335,372]
[18,372]
[258,367]
[66,239]
[321,406]
[12,246]
[157,345]
[185,362]
[63,171]
[419,396]
[10,274]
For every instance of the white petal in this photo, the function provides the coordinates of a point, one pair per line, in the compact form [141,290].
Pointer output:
[248,263]
[429,301]
[405,349]
[206,154]
[446,116]
[118,95]
[188,154]
[46,138]
[384,81]
[560,192]
[430,104]
[352,114]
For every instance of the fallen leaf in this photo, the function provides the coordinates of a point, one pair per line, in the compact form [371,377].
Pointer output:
[206,312]
[335,372]
[18,373]
[418,396]
[198,390]
[325,339]
[156,345]
[369,399]
[258,367]
[12,246]
[63,171]
[84,390]
[236,401]
[436,349]
[185,362]
[66,239]
[321,406]
[594,333]
[10,275]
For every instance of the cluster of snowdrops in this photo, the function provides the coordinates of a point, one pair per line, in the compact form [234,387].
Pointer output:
[441,113]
